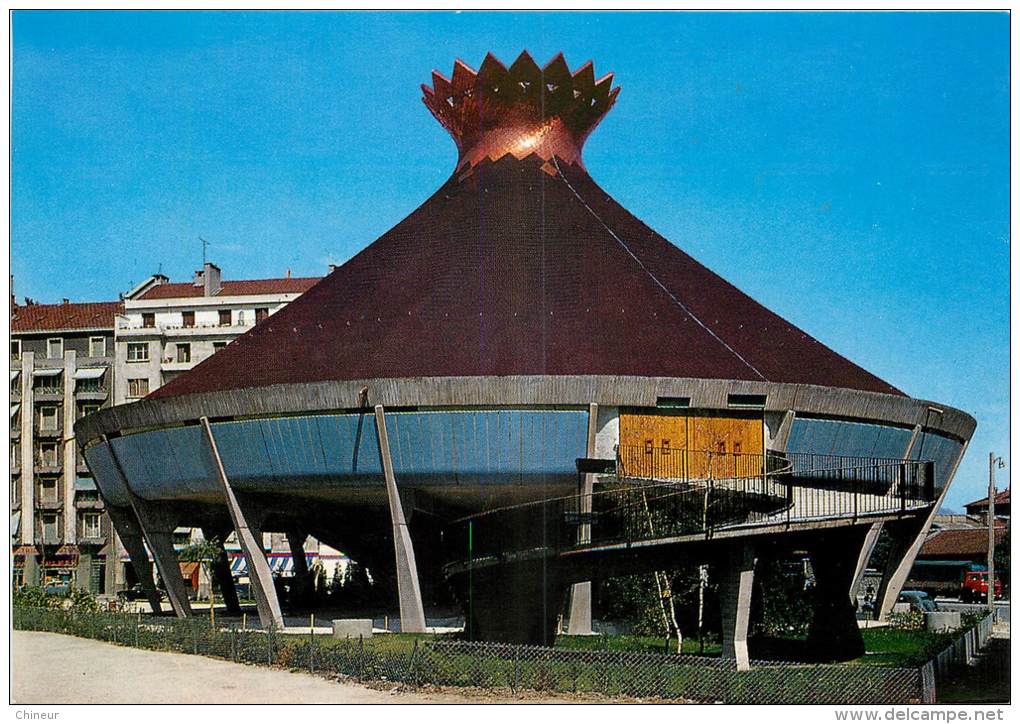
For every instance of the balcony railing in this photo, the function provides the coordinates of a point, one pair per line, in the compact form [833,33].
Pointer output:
[661,494]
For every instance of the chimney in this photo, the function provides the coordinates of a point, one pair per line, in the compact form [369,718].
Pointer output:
[199,277]
[288,273]
[211,280]
[65,300]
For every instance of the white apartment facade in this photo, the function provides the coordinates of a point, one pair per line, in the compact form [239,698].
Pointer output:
[168,328]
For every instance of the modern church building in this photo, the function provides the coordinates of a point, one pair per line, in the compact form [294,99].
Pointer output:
[522,387]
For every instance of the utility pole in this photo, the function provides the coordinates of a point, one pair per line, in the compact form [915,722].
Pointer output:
[992,462]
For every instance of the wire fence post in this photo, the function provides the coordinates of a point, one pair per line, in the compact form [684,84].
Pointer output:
[269,644]
[311,646]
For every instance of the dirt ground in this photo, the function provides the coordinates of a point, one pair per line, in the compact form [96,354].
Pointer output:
[54,669]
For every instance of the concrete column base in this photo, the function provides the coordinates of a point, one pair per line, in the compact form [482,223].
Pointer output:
[221,573]
[518,603]
[579,623]
[735,589]
[834,634]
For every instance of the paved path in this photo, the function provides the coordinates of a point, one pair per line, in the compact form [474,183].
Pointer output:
[55,669]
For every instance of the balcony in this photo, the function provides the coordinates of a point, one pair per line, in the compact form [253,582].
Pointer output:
[48,394]
[49,504]
[91,393]
[48,432]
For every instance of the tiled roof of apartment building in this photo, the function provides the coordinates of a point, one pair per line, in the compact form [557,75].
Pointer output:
[959,543]
[232,288]
[64,317]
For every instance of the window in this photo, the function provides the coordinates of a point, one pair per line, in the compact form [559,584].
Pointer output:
[15,349]
[15,449]
[87,409]
[187,319]
[48,417]
[183,353]
[48,454]
[138,352]
[240,317]
[753,402]
[148,319]
[50,528]
[15,491]
[90,526]
[217,346]
[261,314]
[97,346]
[138,387]
[224,317]
[48,489]
[55,348]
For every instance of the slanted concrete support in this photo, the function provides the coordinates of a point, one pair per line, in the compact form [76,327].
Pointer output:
[157,525]
[221,572]
[412,612]
[834,634]
[130,533]
[579,623]
[249,537]
[876,530]
[735,599]
[907,544]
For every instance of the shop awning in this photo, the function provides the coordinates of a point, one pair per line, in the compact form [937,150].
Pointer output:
[14,374]
[15,523]
[14,409]
[89,373]
[47,372]
[280,564]
[84,483]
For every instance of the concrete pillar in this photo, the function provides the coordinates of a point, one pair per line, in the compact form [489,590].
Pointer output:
[69,462]
[249,536]
[834,634]
[901,559]
[221,571]
[130,534]
[735,599]
[579,622]
[28,457]
[30,571]
[157,528]
[412,612]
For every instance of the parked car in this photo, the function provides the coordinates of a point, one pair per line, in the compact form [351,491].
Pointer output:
[975,587]
[918,600]
[137,593]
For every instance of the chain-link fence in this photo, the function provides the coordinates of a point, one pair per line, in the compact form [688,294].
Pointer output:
[501,668]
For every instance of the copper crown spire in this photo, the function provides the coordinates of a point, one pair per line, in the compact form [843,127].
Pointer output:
[520,110]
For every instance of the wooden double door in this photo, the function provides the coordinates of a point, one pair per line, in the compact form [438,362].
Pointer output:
[692,444]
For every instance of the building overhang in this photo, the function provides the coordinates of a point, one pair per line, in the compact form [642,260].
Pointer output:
[524,390]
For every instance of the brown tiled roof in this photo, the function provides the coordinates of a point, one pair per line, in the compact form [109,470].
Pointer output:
[1001,498]
[510,272]
[959,543]
[230,288]
[59,317]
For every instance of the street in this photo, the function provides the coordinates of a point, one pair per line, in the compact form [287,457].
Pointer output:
[55,669]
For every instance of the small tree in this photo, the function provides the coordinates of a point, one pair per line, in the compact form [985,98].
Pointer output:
[204,552]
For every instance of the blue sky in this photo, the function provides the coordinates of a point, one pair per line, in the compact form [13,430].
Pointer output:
[849,171]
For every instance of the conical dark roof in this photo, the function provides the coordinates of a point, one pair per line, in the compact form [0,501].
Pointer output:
[522,265]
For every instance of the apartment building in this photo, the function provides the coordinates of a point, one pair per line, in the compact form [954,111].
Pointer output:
[61,369]
[166,328]
[70,359]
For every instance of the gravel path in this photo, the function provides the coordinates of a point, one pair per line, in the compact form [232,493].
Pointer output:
[54,669]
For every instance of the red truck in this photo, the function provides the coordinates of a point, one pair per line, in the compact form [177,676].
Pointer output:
[975,587]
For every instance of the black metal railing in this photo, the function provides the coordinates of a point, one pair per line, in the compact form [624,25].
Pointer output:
[662,495]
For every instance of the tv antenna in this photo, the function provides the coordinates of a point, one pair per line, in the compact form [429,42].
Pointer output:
[205,244]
